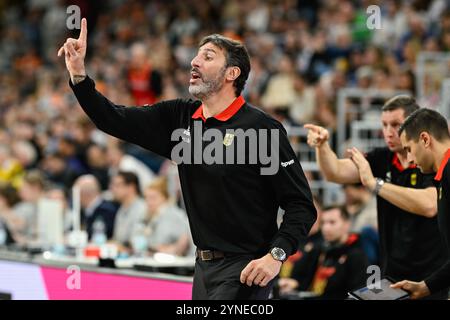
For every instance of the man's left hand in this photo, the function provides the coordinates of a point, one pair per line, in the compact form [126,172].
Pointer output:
[365,172]
[260,271]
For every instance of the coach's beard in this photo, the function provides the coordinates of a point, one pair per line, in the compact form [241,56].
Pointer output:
[207,87]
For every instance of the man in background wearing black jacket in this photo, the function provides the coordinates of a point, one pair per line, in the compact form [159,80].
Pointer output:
[426,139]
[333,267]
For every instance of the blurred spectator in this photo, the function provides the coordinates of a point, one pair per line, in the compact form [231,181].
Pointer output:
[83,132]
[394,25]
[183,24]
[280,88]
[132,210]
[324,113]
[314,239]
[364,77]
[145,82]
[98,164]
[30,191]
[256,82]
[167,226]
[68,149]
[10,221]
[361,204]
[336,267]
[57,172]
[302,107]
[405,80]
[25,154]
[118,160]
[94,207]
[58,193]
[11,171]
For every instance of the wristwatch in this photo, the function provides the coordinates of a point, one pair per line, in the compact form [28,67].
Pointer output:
[278,254]
[379,183]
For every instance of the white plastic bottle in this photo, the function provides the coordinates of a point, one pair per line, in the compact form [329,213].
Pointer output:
[99,237]
[139,240]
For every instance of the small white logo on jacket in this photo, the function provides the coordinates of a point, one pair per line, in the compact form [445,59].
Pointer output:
[288,163]
[187,135]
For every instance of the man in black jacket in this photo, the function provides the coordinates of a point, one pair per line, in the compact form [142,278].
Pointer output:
[426,139]
[333,267]
[232,204]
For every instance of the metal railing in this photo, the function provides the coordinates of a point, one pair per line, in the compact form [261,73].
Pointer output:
[366,135]
[328,192]
[432,70]
[355,104]
[444,106]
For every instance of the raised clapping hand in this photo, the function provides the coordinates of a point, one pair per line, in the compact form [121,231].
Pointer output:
[365,172]
[75,52]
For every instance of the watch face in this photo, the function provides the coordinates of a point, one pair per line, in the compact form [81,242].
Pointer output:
[278,254]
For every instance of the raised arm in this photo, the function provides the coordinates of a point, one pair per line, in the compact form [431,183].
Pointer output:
[74,52]
[336,170]
[150,127]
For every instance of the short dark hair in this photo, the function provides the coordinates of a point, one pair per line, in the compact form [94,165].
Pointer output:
[427,120]
[130,178]
[236,55]
[402,101]
[342,209]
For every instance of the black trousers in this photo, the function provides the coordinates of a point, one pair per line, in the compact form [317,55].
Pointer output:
[220,280]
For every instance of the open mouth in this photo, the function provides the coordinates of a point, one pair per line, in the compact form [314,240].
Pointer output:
[195,75]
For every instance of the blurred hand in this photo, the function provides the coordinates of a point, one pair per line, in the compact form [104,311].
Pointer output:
[167,248]
[317,135]
[75,51]
[365,172]
[417,290]
[287,285]
[120,247]
[260,271]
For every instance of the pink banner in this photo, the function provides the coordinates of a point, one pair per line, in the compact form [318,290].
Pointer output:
[98,286]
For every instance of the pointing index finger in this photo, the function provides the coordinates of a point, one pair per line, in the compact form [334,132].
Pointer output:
[312,127]
[83,32]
